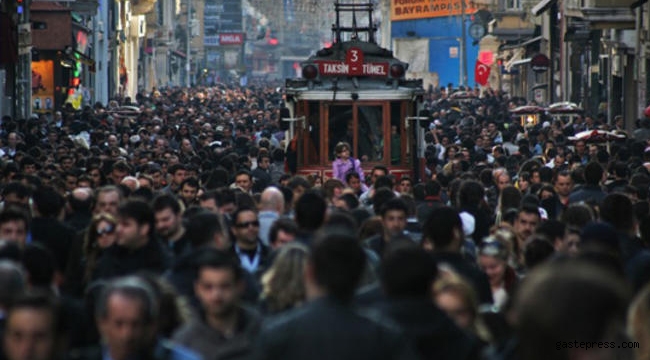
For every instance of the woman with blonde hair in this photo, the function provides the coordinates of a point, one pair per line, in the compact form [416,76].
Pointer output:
[282,285]
[83,260]
[493,260]
[457,299]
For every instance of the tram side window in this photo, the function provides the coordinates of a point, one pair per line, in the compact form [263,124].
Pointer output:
[395,133]
[370,143]
[341,127]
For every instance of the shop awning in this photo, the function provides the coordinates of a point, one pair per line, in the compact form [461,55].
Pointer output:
[85,7]
[516,59]
[513,34]
[520,62]
[521,44]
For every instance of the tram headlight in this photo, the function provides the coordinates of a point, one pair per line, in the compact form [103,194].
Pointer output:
[397,71]
[309,72]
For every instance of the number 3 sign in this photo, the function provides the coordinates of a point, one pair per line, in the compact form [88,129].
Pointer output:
[354,59]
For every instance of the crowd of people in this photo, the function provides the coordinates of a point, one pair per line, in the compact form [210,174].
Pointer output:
[170,226]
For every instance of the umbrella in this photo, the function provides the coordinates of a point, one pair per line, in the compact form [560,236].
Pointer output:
[527,109]
[564,108]
[528,114]
[462,95]
[597,136]
[126,111]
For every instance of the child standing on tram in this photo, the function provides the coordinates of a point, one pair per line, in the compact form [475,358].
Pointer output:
[344,163]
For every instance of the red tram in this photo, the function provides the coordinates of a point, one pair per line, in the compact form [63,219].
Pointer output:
[356,91]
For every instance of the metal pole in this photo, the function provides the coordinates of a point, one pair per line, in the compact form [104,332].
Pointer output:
[463,46]
[292,121]
[417,119]
[638,18]
[189,39]
[419,137]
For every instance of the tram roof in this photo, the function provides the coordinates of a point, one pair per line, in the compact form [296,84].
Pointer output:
[337,72]
[337,51]
[357,95]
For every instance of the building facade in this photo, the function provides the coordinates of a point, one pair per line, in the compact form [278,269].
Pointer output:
[435,41]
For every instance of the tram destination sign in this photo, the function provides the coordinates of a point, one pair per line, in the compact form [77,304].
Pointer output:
[331,68]
[353,65]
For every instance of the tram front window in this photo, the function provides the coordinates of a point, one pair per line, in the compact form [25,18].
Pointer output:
[365,136]
[370,142]
[341,128]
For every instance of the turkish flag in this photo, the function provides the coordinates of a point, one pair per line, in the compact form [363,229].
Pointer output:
[481,73]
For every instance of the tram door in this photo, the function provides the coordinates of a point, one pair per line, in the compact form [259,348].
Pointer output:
[310,134]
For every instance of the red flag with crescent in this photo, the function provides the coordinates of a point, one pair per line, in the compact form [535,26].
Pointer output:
[481,73]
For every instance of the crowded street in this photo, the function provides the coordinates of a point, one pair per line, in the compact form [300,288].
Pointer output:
[352,209]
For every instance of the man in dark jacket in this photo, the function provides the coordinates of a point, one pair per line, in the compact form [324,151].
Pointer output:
[444,231]
[225,329]
[254,255]
[207,231]
[135,247]
[34,329]
[127,314]
[80,203]
[591,192]
[618,210]
[328,327]
[47,229]
[169,224]
[393,219]
[262,173]
[407,276]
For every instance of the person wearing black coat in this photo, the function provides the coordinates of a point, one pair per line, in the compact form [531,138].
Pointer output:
[49,231]
[444,231]
[183,274]
[135,249]
[262,173]
[407,276]
[328,326]
[206,231]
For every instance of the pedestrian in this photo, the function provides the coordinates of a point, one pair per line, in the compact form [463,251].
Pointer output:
[328,327]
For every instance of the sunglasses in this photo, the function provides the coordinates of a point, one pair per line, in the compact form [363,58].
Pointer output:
[107,230]
[247,224]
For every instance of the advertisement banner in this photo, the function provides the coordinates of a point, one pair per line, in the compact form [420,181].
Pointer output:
[221,17]
[423,9]
[42,86]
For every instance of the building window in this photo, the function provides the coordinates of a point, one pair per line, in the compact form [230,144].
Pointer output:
[159,12]
[513,4]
